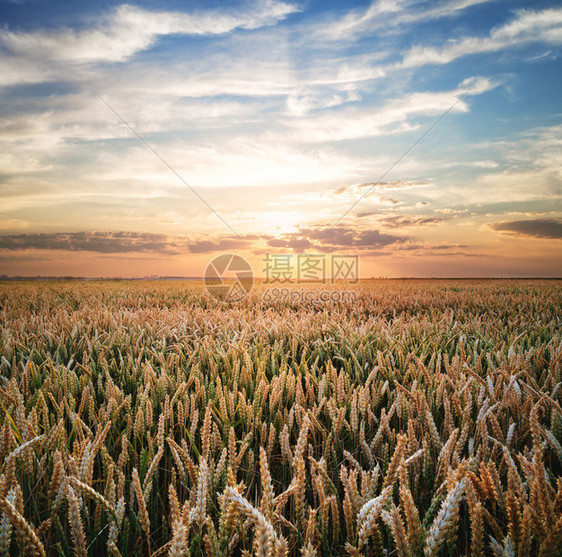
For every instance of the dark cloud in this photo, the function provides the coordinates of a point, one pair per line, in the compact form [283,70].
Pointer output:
[340,237]
[297,244]
[223,244]
[376,239]
[400,221]
[449,246]
[121,242]
[537,228]
[91,241]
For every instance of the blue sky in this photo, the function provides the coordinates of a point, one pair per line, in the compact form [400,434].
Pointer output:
[281,115]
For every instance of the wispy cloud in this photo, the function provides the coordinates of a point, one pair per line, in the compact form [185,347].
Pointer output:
[129,29]
[528,26]
[392,117]
[382,14]
[358,189]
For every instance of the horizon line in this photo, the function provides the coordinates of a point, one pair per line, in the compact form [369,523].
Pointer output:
[8,278]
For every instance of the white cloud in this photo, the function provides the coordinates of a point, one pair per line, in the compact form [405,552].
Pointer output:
[130,29]
[529,26]
[305,102]
[356,21]
[238,163]
[528,169]
[223,153]
[384,14]
[390,118]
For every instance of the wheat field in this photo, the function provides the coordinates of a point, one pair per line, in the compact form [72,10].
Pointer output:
[145,418]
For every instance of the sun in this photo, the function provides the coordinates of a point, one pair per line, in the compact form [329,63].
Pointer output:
[279,222]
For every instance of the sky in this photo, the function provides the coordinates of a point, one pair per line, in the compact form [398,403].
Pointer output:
[147,138]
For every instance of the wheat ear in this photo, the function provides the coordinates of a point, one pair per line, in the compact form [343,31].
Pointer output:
[145,521]
[23,527]
[445,522]
[76,525]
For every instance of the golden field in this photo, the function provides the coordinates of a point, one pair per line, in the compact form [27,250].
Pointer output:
[145,418]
